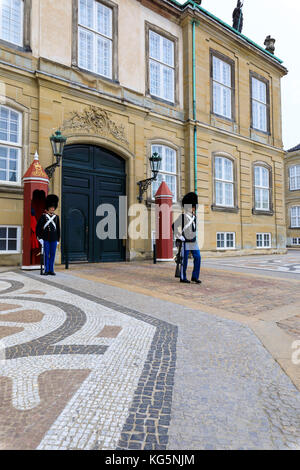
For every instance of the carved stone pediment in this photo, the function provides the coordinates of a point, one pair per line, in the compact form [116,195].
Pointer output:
[97,121]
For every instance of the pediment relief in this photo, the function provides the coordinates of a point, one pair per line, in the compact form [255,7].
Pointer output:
[97,121]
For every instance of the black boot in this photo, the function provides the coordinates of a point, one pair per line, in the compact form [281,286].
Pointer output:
[186,281]
[197,281]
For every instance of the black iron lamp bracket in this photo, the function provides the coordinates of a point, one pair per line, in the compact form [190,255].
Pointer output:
[144,185]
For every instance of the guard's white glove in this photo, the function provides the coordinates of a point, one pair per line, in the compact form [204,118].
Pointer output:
[182,238]
[41,241]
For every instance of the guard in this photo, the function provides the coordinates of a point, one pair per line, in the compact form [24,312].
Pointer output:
[48,233]
[185,229]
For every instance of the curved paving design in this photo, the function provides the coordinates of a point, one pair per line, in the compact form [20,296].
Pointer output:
[122,361]
[44,345]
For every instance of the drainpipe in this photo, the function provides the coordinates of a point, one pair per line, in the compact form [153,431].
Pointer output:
[194,105]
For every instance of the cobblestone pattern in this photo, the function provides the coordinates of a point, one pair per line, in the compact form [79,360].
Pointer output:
[44,345]
[224,290]
[229,392]
[94,417]
[150,414]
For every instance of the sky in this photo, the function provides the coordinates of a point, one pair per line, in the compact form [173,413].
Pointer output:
[280,19]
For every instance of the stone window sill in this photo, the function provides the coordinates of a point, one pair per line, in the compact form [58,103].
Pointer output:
[258,212]
[224,209]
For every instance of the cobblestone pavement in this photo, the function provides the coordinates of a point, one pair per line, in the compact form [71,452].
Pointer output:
[245,295]
[87,365]
[288,263]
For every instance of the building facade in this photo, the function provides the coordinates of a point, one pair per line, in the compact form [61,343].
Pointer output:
[123,79]
[292,196]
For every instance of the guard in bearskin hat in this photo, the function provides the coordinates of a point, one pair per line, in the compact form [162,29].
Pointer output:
[48,233]
[185,228]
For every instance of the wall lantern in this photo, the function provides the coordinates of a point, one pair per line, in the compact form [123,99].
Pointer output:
[58,142]
[155,162]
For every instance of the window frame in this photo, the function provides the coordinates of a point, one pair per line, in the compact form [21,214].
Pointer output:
[176,175]
[263,240]
[115,34]
[298,217]
[214,53]
[268,105]
[215,206]
[225,241]
[161,32]
[255,210]
[297,241]
[26,30]
[18,146]
[18,239]
[289,176]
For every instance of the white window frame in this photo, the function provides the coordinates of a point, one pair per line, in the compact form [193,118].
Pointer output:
[21,42]
[218,107]
[294,178]
[162,65]
[162,171]
[18,239]
[261,188]
[297,216]
[226,241]
[295,241]
[263,245]
[16,145]
[224,182]
[261,105]
[96,34]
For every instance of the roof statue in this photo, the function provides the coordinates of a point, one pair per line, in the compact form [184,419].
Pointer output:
[237,16]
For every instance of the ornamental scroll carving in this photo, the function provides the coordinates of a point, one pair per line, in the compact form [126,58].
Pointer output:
[96,120]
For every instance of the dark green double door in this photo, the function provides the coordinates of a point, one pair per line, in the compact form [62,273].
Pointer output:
[91,176]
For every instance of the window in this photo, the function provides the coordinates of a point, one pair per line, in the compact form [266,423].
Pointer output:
[224,184]
[226,240]
[222,85]
[262,188]
[161,66]
[295,216]
[11,21]
[295,241]
[263,240]
[168,169]
[95,40]
[259,103]
[294,177]
[10,145]
[9,239]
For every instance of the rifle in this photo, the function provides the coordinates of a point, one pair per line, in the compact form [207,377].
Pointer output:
[42,259]
[178,258]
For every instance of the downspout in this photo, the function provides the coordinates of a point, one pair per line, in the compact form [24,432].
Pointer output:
[194,106]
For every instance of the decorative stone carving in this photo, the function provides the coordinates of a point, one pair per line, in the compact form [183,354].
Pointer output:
[270,44]
[96,120]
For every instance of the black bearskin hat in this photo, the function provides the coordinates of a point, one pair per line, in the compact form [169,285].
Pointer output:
[51,201]
[190,199]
